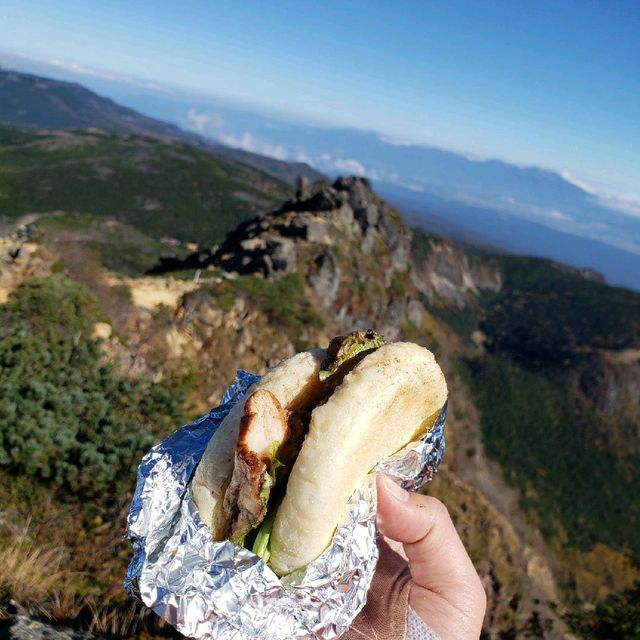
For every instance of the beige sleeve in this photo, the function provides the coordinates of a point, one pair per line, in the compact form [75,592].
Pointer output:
[387,614]
[416,629]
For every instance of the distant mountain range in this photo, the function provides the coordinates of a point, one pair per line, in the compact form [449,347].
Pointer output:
[34,102]
[526,210]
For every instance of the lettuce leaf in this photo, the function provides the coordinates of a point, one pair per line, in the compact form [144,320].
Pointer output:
[345,348]
[262,544]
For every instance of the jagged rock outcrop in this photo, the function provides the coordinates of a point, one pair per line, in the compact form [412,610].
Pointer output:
[359,260]
[352,249]
[321,215]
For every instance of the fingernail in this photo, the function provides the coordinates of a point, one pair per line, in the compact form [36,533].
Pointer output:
[395,489]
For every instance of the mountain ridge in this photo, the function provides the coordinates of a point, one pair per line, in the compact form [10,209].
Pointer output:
[161,186]
[31,101]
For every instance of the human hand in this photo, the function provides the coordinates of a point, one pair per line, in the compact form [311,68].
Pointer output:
[445,590]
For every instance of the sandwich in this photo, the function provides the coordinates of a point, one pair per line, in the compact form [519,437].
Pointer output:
[278,473]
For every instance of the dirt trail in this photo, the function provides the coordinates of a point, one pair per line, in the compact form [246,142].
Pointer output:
[151,292]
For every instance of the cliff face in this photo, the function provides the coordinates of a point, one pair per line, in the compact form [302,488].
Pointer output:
[350,247]
[446,274]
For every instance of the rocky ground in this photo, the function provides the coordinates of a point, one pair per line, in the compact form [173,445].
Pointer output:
[22,627]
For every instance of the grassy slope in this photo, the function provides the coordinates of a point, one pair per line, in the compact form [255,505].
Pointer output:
[119,247]
[547,314]
[551,445]
[72,430]
[543,329]
[158,187]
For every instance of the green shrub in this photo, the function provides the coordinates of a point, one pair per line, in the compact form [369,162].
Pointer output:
[617,618]
[65,416]
[53,307]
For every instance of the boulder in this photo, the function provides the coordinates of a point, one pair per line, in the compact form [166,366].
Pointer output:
[324,277]
[22,627]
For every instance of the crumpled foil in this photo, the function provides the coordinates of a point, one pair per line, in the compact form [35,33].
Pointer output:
[216,590]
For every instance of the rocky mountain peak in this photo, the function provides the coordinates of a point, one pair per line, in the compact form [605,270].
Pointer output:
[319,219]
[322,196]
[357,260]
[351,249]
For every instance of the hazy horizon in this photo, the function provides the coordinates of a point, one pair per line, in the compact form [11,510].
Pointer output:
[517,85]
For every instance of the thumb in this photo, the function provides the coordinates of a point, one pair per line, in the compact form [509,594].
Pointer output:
[438,561]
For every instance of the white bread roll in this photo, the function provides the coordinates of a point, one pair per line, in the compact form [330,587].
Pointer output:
[293,382]
[390,398]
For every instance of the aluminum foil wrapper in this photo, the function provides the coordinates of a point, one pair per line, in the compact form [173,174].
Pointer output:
[216,590]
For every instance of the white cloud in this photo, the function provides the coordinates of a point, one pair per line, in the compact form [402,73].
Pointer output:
[200,121]
[624,203]
[349,166]
[83,70]
[384,175]
[212,123]
[301,156]
[248,142]
[327,162]
[555,214]
[396,142]
[577,182]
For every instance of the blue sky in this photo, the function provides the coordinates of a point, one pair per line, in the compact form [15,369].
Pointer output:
[553,83]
